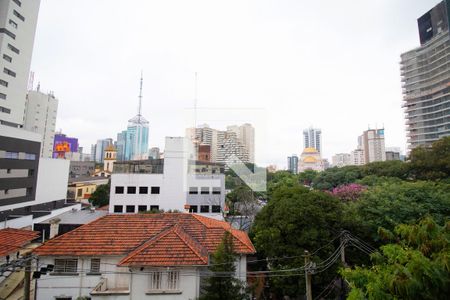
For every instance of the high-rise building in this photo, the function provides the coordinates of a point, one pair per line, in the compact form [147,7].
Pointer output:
[230,150]
[100,148]
[425,73]
[312,138]
[17,28]
[40,117]
[204,135]
[372,142]
[292,164]
[341,160]
[237,140]
[246,136]
[132,144]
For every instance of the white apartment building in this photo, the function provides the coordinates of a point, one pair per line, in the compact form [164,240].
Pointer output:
[176,182]
[372,142]
[18,20]
[246,136]
[40,117]
[357,157]
[237,140]
[341,160]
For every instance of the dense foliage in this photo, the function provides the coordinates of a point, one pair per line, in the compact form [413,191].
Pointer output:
[414,267]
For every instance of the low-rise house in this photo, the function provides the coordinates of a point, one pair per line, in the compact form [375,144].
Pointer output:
[81,188]
[136,256]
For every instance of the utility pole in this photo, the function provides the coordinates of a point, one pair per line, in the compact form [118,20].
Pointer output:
[27,279]
[308,275]
[343,242]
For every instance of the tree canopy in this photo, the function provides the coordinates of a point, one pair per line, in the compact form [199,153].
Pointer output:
[100,197]
[416,266]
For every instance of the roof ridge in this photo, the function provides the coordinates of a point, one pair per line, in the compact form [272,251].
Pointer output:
[179,230]
[147,243]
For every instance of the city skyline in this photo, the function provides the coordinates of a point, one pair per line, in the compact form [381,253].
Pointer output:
[288,85]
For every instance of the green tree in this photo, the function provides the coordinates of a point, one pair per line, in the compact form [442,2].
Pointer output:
[392,203]
[100,196]
[223,285]
[294,220]
[415,267]
[431,163]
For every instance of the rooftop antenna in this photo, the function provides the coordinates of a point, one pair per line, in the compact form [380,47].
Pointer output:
[195,101]
[140,97]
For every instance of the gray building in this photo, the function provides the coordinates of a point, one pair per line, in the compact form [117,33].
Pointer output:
[425,73]
[292,164]
[81,168]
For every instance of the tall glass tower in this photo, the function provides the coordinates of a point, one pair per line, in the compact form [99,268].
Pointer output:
[133,143]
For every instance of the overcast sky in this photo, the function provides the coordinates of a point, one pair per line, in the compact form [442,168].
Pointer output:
[281,65]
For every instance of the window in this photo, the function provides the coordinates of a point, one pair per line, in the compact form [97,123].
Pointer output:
[193,190]
[215,208]
[216,190]
[156,280]
[193,208]
[154,207]
[142,208]
[69,265]
[17,2]
[11,155]
[155,190]
[30,156]
[119,189]
[7,58]
[8,33]
[4,83]
[79,192]
[95,265]
[131,190]
[143,190]
[2,96]
[173,279]
[204,190]
[5,110]
[63,298]
[130,208]
[8,171]
[19,16]
[9,72]
[13,49]
[118,208]
[204,208]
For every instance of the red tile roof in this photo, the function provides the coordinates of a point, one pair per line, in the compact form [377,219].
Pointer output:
[12,240]
[148,239]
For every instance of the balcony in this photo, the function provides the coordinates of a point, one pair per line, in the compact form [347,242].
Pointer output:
[102,289]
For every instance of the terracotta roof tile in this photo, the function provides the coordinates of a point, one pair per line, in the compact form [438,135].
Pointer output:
[12,240]
[148,239]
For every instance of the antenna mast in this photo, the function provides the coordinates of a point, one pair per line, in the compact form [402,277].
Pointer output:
[195,102]
[140,98]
